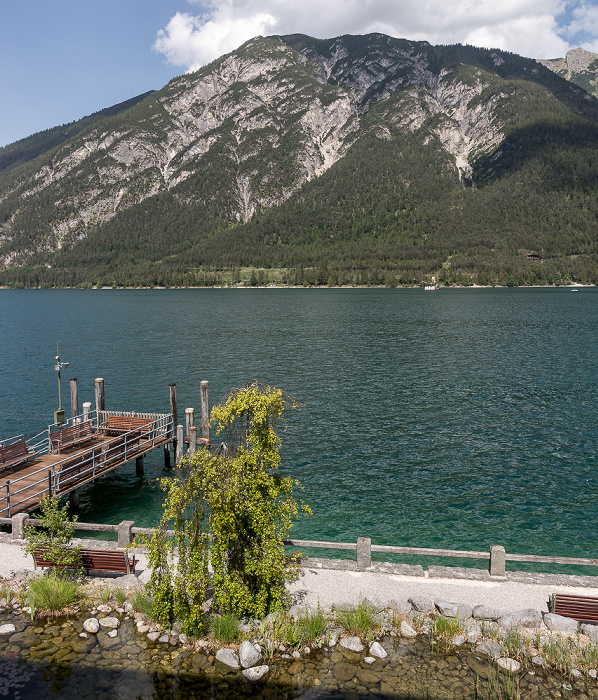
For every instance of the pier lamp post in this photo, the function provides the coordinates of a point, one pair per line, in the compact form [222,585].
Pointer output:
[59,414]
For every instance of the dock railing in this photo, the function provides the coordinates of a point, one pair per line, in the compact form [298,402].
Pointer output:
[73,470]
[497,556]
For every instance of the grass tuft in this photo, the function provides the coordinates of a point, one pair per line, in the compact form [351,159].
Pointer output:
[359,619]
[52,593]
[225,628]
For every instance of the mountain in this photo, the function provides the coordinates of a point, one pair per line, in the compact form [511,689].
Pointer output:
[360,159]
[578,66]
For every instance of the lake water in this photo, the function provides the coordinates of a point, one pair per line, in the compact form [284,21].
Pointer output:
[454,419]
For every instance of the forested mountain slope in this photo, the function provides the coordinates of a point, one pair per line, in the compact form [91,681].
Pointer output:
[360,159]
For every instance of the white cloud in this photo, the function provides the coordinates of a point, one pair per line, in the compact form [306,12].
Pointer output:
[527,27]
[583,26]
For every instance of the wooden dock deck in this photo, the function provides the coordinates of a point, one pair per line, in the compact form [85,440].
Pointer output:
[59,474]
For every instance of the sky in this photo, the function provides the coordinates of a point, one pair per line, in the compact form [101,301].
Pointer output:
[61,60]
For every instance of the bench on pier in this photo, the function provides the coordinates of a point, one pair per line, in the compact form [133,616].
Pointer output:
[71,436]
[578,607]
[116,425]
[14,454]
[93,560]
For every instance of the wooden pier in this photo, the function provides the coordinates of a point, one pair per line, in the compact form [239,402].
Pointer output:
[63,458]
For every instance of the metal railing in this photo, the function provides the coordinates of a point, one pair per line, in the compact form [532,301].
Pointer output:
[73,470]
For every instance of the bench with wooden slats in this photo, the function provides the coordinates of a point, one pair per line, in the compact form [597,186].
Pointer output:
[73,435]
[115,425]
[95,560]
[577,607]
[14,454]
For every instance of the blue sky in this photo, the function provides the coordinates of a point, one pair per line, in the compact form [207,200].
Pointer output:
[63,59]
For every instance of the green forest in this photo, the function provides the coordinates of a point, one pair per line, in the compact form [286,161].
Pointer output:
[393,211]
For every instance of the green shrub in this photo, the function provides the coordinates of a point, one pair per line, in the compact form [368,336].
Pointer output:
[53,593]
[358,619]
[225,628]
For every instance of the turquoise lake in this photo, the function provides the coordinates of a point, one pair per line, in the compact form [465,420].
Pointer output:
[458,418]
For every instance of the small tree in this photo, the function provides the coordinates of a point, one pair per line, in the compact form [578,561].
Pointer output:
[237,496]
[55,536]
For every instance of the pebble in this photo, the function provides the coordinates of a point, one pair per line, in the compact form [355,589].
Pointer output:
[369,660]
[256,673]
[509,665]
[91,625]
[352,643]
[407,630]
[7,629]
[376,649]
[109,622]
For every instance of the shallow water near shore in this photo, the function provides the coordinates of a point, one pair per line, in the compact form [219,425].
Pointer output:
[48,659]
[454,419]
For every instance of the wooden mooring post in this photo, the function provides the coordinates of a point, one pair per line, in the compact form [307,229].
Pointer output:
[74,398]
[205,410]
[100,406]
[86,411]
[175,421]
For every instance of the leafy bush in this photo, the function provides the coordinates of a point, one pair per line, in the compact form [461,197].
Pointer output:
[55,537]
[52,592]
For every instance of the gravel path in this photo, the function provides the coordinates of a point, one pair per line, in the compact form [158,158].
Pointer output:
[329,587]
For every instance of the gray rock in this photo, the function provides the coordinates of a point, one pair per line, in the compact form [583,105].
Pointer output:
[112,634]
[228,658]
[509,665]
[575,673]
[458,640]
[164,639]
[459,610]
[109,622]
[7,629]
[489,648]
[104,608]
[407,630]
[558,623]
[333,639]
[256,673]
[369,660]
[248,655]
[129,581]
[107,642]
[590,631]
[83,635]
[142,628]
[592,673]
[486,612]
[153,636]
[421,604]
[521,618]
[376,649]
[375,603]
[296,655]
[3,602]
[538,661]
[91,625]
[352,643]
[403,607]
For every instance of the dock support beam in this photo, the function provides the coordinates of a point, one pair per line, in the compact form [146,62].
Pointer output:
[205,410]
[179,444]
[175,415]
[74,398]
[139,466]
[100,396]
[167,455]
[192,441]
[74,501]
[86,411]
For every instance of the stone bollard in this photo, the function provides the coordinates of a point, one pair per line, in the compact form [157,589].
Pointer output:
[497,561]
[125,534]
[364,553]
[18,523]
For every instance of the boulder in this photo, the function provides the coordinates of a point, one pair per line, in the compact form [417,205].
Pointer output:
[256,673]
[521,618]
[558,623]
[487,612]
[590,631]
[489,648]
[228,658]
[447,609]
[376,649]
[91,625]
[109,622]
[352,643]
[248,655]
[403,607]
[509,665]
[407,630]
[422,605]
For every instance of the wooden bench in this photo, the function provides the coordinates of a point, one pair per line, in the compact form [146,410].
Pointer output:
[73,435]
[113,561]
[14,454]
[116,425]
[580,608]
